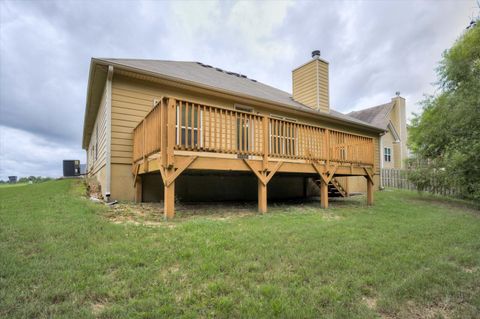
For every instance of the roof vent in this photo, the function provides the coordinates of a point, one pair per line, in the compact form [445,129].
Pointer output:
[316,54]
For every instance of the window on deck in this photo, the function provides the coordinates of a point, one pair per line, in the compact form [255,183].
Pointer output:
[283,137]
[188,125]
[243,134]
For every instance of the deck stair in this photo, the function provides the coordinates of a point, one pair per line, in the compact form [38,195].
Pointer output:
[335,188]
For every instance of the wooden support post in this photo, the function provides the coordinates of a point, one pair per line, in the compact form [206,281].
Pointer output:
[323,194]
[169,175]
[263,179]
[369,177]
[369,191]
[169,197]
[163,134]
[138,189]
[262,197]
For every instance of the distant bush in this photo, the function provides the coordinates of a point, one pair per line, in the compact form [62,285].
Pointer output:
[33,179]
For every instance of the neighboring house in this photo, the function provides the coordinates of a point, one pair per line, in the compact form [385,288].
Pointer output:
[392,118]
[166,130]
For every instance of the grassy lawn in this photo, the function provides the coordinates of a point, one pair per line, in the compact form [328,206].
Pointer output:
[409,256]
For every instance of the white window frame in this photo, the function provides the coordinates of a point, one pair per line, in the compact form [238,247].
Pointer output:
[250,127]
[387,156]
[186,127]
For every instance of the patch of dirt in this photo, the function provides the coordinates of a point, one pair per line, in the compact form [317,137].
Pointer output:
[94,189]
[432,311]
[97,308]
[370,302]
[331,216]
[145,214]
[151,214]
[470,270]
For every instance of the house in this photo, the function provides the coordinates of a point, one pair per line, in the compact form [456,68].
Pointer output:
[167,130]
[392,118]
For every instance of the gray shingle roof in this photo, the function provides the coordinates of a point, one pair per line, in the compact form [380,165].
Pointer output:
[216,78]
[376,115]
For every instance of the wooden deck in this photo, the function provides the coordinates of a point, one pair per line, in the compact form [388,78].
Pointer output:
[177,135]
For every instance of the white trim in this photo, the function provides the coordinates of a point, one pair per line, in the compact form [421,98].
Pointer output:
[243,108]
[281,117]
[108,133]
[394,132]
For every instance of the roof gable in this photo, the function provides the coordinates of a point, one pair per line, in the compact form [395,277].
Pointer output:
[376,115]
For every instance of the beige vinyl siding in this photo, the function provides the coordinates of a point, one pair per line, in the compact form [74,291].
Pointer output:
[310,85]
[132,99]
[304,84]
[388,141]
[324,103]
[95,163]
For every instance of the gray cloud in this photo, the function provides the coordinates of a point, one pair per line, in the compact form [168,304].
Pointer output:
[374,48]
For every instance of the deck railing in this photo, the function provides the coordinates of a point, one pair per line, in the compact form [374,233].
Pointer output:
[203,128]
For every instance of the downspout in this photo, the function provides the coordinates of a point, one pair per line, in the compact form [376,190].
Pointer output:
[381,159]
[108,88]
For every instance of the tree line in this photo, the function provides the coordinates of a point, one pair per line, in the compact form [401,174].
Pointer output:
[445,137]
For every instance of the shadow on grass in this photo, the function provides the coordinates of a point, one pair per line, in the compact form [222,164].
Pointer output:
[453,204]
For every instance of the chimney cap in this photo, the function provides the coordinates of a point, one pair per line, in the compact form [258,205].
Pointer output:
[316,54]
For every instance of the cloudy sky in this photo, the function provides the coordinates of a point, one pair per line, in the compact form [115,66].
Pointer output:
[374,48]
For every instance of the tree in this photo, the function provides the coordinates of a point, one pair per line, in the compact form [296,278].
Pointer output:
[445,137]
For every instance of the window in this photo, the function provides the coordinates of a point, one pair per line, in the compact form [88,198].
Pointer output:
[283,136]
[243,134]
[387,154]
[189,119]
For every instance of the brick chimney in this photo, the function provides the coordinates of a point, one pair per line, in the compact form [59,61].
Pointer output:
[310,83]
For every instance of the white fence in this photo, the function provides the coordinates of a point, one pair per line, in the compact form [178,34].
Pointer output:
[398,178]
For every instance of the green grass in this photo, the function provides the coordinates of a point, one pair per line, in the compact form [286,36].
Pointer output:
[409,256]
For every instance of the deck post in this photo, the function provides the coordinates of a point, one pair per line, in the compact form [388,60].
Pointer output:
[369,191]
[138,189]
[169,198]
[262,197]
[323,194]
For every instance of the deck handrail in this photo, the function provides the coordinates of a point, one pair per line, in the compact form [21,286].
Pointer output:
[204,128]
